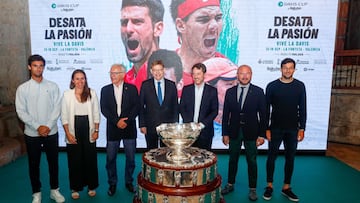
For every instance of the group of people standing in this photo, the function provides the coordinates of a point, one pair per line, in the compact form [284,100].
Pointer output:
[146,91]
[250,116]
[39,105]
[248,119]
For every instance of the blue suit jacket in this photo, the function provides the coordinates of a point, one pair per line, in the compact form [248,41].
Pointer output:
[152,113]
[208,108]
[254,113]
[130,106]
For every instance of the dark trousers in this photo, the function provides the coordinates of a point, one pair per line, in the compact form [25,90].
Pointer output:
[203,142]
[289,138]
[34,146]
[152,141]
[250,152]
[82,158]
[112,148]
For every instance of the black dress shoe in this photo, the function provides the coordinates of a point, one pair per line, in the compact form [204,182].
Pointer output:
[130,187]
[112,190]
[227,189]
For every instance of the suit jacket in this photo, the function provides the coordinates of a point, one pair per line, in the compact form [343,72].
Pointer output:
[152,113]
[208,107]
[254,113]
[130,106]
[68,111]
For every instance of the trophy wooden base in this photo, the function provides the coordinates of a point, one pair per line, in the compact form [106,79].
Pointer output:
[193,181]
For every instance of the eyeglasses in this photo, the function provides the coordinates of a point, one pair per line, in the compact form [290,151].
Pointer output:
[116,73]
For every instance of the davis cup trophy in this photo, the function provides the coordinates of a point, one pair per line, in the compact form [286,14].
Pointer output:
[179,173]
[178,137]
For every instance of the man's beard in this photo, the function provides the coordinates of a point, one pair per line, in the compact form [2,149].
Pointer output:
[287,78]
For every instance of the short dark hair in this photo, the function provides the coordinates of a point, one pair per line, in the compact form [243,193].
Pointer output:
[35,57]
[157,62]
[199,66]
[170,59]
[288,60]
[156,8]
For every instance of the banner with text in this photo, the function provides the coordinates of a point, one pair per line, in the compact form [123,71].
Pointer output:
[87,35]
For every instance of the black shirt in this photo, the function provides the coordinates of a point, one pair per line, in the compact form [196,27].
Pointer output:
[286,104]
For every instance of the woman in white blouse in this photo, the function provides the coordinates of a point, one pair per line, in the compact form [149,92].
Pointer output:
[80,118]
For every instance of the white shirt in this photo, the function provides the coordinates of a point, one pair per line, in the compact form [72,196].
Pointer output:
[38,104]
[118,90]
[80,108]
[199,89]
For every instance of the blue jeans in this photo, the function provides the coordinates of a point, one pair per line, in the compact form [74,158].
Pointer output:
[289,138]
[112,148]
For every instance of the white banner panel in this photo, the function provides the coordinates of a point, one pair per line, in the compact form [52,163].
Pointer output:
[85,34]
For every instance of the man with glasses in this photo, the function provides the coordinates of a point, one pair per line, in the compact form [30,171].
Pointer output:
[120,105]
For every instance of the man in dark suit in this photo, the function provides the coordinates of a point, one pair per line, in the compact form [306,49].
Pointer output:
[158,104]
[244,121]
[120,105]
[199,104]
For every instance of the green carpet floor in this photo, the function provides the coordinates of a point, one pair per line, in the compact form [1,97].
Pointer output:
[316,179]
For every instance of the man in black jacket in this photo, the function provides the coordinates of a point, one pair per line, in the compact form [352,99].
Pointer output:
[158,104]
[120,105]
[244,122]
[199,104]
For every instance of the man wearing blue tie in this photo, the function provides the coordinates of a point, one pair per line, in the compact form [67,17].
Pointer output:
[243,122]
[159,104]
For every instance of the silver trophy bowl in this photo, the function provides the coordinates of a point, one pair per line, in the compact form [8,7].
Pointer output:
[178,137]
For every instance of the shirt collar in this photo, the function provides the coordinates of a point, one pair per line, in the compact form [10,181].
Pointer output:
[200,86]
[120,85]
[245,86]
[161,81]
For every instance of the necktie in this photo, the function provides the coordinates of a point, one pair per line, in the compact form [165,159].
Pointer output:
[241,97]
[159,93]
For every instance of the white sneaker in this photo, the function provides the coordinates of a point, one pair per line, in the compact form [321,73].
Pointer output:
[57,196]
[36,197]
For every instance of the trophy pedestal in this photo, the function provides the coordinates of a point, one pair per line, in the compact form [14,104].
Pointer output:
[194,180]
